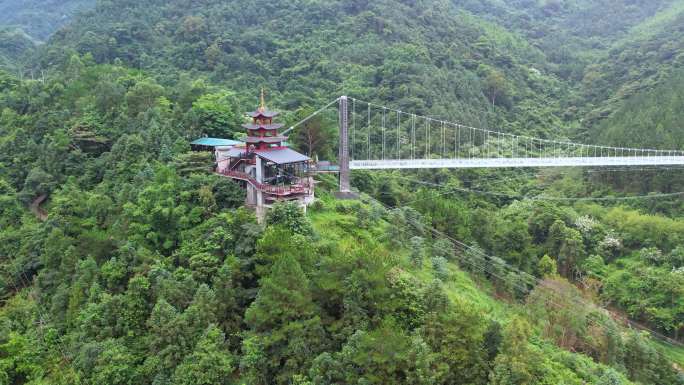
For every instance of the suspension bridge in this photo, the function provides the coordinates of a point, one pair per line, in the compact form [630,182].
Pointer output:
[373,136]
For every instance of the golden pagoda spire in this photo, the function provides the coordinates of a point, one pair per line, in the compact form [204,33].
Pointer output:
[262,103]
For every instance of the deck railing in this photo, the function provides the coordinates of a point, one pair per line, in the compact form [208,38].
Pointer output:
[301,187]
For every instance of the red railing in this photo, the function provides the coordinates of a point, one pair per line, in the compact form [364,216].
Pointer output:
[297,188]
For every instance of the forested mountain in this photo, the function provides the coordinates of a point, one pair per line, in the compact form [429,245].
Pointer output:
[426,56]
[25,24]
[550,64]
[124,260]
[14,45]
[39,18]
[641,69]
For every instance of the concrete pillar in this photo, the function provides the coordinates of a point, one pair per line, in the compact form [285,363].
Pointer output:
[260,208]
[259,170]
[345,186]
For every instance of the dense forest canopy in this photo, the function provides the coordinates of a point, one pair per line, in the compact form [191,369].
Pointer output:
[125,260]
[40,19]
[26,24]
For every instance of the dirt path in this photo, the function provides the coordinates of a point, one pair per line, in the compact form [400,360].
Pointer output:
[38,211]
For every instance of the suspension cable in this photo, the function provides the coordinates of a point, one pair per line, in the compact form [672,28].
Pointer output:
[553,148]
[292,127]
[529,278]
[543,198]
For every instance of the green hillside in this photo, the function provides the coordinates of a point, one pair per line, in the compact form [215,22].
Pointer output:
[39,19]
[640,69]
[430,57]
[552,65]
[14,46]
[27,23]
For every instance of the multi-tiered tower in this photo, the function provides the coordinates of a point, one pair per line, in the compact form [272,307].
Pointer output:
[262,133]
[269,170]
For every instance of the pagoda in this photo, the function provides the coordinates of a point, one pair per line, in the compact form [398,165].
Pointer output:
[265,166]
[262,133]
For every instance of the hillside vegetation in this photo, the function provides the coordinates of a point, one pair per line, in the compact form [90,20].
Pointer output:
[14,46]
[24,24]
[40,19]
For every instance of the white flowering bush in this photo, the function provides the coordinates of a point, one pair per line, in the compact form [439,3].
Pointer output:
[610,245]
[585,224]
[652,255]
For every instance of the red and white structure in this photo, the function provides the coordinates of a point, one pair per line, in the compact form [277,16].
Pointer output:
[266,167]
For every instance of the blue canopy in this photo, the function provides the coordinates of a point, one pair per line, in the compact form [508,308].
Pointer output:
[215,142]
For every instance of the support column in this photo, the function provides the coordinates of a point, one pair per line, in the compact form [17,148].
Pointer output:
[343,158]
[260,207]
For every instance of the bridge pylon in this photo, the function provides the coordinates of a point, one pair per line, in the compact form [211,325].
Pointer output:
[343,158]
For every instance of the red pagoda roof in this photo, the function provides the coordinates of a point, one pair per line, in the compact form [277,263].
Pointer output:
[265,139]
[274,126]
[263,114]
[262,111]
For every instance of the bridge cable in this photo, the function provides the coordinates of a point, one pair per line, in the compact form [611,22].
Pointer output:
[502,263]
[369,131]
[553,148]
[353,146]
[292,127]
[543,198]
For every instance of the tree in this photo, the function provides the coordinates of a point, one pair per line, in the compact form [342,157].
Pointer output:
[517,363]
[166,348]
[571,253]
[455,335]
[398,229]
[290,216]
[10,210]
[194,163]
[284,328]
[387,192]
[568,245]
[143,96]
[192,27]
[204,266]
[227,193]
[143,272]
[473,259]
[208,364]
[492,340]
[158,214]
[417,251]
[226,284]
[577,325]
[136,307]
[38,182]
[213,55]
[315,136]
[646,364]
[409,302]
[444,248]
[216,115]
[385,355]
[547,266]
[19,359]
[676,257]
[439,265]
[452,217]
[496,86]
[7,81]
[115,365]
[199,315]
